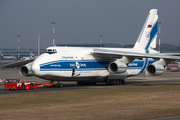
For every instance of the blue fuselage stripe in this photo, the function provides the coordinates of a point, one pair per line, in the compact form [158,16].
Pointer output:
[88,65]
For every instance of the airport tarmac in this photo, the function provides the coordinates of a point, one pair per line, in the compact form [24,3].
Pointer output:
[168,78]
[140,80]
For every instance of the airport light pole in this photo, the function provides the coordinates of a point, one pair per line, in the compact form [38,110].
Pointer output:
[100,40]
[159,23]
[38,44]
[18,47]
[53,33]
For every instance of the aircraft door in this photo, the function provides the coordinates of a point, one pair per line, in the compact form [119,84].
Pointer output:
[74,72]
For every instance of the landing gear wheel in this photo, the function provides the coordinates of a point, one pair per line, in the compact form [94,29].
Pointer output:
[107,82]
[117,82]
[114,82]
[78,83]
[123,82]
[111,81]
[94,83]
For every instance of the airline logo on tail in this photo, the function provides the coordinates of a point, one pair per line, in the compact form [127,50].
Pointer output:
[32,55]
[147,36]
[149,26]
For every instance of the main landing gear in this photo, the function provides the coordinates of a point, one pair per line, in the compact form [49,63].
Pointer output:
[108,82]
[115,82]
[79,83]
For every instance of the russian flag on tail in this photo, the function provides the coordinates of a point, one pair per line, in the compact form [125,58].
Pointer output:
[149,26]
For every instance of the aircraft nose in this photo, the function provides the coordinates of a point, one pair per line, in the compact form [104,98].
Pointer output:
[35,68]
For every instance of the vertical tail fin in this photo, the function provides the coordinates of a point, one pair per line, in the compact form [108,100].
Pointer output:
[148,34]
[1,55]
[31,55]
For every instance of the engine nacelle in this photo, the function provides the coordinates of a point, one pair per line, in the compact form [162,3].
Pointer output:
[155,69]
[117,67]
[26,70]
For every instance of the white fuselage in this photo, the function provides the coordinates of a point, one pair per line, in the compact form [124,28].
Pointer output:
[79,64]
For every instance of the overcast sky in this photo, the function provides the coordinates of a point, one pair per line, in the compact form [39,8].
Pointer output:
[82,21]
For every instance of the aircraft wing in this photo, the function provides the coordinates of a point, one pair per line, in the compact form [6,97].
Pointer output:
[171,54]
[117,54]
[16,64]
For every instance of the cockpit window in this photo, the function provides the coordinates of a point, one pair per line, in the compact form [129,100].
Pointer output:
[50,51]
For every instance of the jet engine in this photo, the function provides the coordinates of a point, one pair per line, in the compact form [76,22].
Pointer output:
[117,67]
[157,68]
[26,70]
[120,65]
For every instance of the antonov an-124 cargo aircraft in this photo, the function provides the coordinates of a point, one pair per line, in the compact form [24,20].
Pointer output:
[88,65]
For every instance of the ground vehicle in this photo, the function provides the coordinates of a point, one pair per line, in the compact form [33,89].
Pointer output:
[51,85]
[14,84]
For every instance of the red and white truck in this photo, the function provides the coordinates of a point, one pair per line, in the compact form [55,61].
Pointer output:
[17,84]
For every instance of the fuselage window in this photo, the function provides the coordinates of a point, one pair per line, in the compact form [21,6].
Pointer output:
[50,51]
